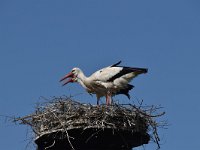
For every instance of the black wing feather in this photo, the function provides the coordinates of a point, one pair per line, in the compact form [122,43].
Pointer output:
[127,70]
[115,65]
[126,90]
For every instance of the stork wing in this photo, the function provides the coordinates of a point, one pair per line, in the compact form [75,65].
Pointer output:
[110,73]
[105,74]
[114,65]
[128,72]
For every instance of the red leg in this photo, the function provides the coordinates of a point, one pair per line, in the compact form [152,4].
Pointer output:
[108,98]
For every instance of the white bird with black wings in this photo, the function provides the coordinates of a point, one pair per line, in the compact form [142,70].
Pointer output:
[109,81]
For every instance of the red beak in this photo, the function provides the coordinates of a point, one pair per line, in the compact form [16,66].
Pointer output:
[68,76]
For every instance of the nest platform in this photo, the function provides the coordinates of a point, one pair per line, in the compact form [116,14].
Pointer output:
[64,124]
[92,139]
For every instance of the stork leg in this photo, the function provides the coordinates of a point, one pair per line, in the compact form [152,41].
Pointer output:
[108,98]
[97,101]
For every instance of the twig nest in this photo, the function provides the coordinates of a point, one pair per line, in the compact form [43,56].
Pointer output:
[87,125]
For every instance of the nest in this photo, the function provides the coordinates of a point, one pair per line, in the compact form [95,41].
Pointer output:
[63,114]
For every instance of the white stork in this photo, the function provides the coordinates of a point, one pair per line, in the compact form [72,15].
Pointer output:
[109,81]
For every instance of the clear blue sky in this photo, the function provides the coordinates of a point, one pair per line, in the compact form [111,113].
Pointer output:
[41,40]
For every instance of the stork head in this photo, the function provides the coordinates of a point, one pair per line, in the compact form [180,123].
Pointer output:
[71,75]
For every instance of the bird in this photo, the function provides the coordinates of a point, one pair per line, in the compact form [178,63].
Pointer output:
[108,81]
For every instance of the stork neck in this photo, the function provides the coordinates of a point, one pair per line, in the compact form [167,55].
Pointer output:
[82,77]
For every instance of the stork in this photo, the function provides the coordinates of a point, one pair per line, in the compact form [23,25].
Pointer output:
[109,81]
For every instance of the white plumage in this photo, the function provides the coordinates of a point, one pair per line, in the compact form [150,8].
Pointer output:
[107,82]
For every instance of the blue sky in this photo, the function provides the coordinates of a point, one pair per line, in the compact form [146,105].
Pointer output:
[41,40]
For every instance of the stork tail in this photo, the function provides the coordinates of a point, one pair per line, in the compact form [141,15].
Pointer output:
[126,90]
